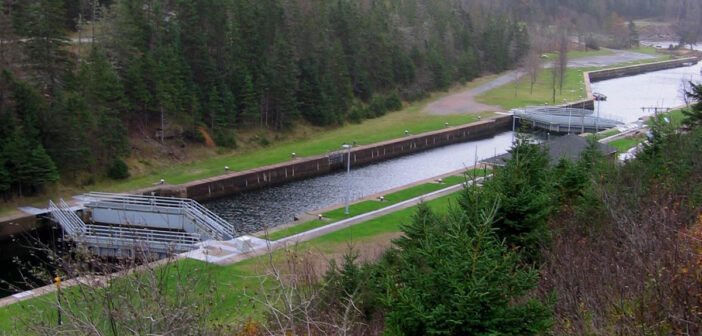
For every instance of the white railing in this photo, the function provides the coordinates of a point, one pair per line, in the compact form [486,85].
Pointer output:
[120,237]
[202,217]
[67,218]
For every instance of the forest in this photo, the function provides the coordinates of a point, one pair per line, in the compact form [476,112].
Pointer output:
[80,78]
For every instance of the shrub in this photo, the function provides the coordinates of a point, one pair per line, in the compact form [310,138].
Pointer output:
[118,169]
[225,139]
[377,107]
[393,102]
[194,135]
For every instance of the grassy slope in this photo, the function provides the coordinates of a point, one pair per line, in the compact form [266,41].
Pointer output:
[231,281]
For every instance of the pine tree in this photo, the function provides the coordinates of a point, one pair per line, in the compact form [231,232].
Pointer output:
[309,94]
[450,275]
[522,190]
[43,170]
[248,100]
[44,25]
[693,115]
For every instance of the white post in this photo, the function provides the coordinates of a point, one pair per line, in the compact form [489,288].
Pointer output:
[514,120]
[348,177]
[597,121]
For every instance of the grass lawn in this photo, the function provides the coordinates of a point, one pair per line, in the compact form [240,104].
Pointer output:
[231,281]
[366,206]
[625,144]
[508,97]
[676,118]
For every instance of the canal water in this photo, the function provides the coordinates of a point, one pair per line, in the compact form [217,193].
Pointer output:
[627,95]
[256,210]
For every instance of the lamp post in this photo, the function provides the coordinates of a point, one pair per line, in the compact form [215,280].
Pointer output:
[348,175]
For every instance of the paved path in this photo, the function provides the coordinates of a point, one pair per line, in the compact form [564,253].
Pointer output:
[464,102]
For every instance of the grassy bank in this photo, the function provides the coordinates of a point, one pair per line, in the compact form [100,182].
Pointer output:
[623,145]
[366,206]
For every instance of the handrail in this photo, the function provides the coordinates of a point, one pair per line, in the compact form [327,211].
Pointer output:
[202,217]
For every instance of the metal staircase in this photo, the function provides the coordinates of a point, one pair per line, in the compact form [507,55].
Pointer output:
[124,224]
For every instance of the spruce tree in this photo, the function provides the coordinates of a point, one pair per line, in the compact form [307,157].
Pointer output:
[451,275]
[44,24]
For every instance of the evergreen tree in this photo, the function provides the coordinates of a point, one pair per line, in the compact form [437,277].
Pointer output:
[42,169]
[693,115]
[451,275]
[69,143]
[44,24]
[248,101]
[522,190]
[281,77]
[309,94]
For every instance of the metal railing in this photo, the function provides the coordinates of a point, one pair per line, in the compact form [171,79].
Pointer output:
[67,219]
[202,217]
[120,237]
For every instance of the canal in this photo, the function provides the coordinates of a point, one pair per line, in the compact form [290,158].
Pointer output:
[256,210]
[627,95]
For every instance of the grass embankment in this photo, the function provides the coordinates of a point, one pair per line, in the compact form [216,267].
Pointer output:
[232,281]
[372,205]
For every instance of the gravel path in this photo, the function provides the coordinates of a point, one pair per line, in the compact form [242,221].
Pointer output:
[464,102]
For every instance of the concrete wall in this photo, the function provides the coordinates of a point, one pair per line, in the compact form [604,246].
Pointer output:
[600,75]
[297,169]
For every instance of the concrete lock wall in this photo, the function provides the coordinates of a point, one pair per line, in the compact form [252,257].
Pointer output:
[600,75]
[296,169]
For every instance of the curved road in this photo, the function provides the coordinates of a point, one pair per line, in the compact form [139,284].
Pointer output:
[464,102]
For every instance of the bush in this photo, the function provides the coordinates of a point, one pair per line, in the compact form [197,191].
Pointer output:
[118,170]
[264,141]
[377,107]
[393,102]
[592,43]
[356,114]
[225,139]
[194,135]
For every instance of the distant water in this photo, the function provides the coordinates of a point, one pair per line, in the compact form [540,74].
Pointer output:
[627,95]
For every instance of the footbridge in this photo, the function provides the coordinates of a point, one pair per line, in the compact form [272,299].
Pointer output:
[564,119]
[121,225]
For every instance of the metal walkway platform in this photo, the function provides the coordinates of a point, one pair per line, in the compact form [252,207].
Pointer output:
[565,120]
[123,224]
